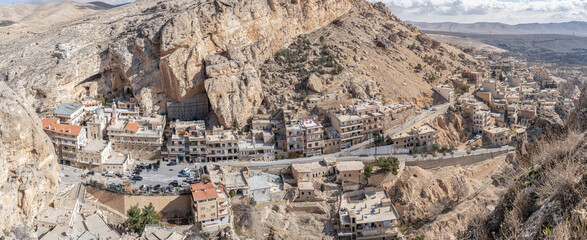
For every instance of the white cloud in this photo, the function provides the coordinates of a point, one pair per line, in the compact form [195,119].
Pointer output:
[506,11]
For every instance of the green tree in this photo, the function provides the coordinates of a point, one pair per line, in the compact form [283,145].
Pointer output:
[232,193]
[322,187]
[388,164]
[322,39]
[137,219]
[368,169]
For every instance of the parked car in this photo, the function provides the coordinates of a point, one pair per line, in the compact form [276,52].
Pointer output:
[136,178]
[156,187]
[120,175]
[172,163]
[182,174]
[188,179]
[91,172]
[173,183]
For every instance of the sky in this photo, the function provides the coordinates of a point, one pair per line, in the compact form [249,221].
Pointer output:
[461,11]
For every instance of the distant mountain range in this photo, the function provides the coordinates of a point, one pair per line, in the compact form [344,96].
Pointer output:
[567,28]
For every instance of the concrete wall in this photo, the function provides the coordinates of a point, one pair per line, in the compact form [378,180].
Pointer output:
[170,206]
[453,161]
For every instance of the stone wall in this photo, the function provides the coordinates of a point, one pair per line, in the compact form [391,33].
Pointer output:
[453,161]
[170,206]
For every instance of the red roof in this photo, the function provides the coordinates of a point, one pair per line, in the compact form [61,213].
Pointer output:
[133,126]
[50,124]
[203,191]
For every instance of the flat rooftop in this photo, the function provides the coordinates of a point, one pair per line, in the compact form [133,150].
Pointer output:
[368,207]
[67,108]
[95,146]
[350,166]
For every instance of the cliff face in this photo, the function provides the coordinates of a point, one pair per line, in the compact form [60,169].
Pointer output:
[29,172]
[155,51]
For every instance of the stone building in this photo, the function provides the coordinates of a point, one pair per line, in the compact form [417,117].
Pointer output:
[498,136]
[210,207]
[70,113]
[349,127]
[423,137]
[221,145]
[349,171]
[92,155]
[66,139]
[367,214]
[142,137]
[313,138]
[192,109]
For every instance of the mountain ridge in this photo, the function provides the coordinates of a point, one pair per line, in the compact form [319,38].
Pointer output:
[577,28]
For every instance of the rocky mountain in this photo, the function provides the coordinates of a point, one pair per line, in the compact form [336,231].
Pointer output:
[566,28]
[29,172]
[20,19]
[165,51]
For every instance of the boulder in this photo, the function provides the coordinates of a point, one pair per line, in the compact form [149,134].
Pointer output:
[315,83]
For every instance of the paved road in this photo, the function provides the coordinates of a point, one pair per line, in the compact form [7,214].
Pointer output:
[402,157]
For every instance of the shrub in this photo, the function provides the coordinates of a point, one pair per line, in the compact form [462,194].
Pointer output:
[368,169]
[232,193]
[388,164]
[322,187]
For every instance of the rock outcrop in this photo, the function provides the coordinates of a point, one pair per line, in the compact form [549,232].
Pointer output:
[154,51]
[29,173]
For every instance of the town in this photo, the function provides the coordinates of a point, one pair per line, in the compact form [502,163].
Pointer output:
[191,173]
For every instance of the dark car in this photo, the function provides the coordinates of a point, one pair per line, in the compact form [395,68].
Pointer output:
[136,178]
[174,183]
[172,163]
[156,187]
[119,175]
[91,172]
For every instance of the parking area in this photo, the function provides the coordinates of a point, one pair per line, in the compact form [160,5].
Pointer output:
[163,176]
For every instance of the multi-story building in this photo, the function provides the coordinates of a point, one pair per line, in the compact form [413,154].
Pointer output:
[313,137]
[187,141]
[210,207]
[97,125]
[221,145]
[304,172]
[256,150]
[195,108]
[481,120]
[512,113]
[423,137]
[294,140]
[349,171]
[66,139]
[445,91]
[349,127]
[367,215]
[142,137]
[70,113]
[92,155]
[498,136]
[331,141]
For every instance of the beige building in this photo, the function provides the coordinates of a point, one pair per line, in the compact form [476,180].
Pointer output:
[349,171]
[93,155]
[70,113]
[304,172]
[367,215]
[141,137]
[117,163]
[423,137]
[221,145]
[331,141]
[306,191]
[210,207]
[481,120]
[313,138]
[97,125]
[66,139]
[256,150]
[498,136]
[349,127]
[187,141]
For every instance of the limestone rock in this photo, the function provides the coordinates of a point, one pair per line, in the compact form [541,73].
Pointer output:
[234,92]
[155,50]
[29,173]
[315,83]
